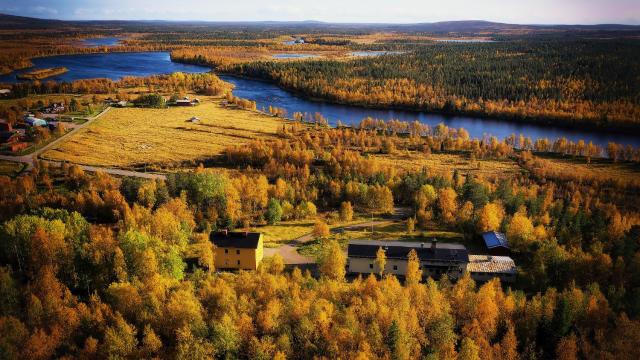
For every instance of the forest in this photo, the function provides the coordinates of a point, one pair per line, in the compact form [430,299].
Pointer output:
[99,266]
[96,266]
[557,82]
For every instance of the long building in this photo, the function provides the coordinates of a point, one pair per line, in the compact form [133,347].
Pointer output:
[435,259]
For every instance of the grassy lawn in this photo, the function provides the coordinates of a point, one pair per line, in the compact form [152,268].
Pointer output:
[286,230]
[132,137]
[10,168]
[601,169]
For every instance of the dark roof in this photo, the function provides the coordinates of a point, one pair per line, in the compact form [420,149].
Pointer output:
[494,239]
[237,239]
[401,249]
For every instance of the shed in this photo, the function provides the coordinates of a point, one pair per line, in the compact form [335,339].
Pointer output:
[496,243]
[33,121]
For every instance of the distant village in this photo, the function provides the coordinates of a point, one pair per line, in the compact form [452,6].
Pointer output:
[34,125]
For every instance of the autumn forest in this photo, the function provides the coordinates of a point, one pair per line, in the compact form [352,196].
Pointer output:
[105,234]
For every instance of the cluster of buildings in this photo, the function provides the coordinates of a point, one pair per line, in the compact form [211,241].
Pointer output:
[54,108]
[187,102]
[14,139]
[436,259]
[244,251]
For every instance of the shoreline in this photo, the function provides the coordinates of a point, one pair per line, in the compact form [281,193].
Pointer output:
[543,122]
[568,124]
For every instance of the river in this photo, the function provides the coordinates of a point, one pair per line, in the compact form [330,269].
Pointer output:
[265,94]
[117,65]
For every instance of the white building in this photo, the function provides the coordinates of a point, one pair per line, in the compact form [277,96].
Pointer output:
[487,267]
[435,259]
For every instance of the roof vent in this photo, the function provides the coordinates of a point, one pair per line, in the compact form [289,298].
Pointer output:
[434,244]
[225,232]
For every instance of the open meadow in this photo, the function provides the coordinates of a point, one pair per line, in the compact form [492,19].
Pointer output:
[443,163]
[135,137]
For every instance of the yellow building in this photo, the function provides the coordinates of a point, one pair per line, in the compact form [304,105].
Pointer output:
[237,250]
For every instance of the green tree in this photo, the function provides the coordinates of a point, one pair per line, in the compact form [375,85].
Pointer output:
[274,211]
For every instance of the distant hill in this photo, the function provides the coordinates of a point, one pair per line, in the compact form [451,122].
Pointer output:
[23,22]
[466,26]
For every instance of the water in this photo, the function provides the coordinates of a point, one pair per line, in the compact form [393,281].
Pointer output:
[108,65]
[374,53]
[265,94]
[97,42]
[294,56]
[116,65]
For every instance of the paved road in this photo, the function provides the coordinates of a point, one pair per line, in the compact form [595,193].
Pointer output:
[29,159]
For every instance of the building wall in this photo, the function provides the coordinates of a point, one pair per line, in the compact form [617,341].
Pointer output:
[486,276]
[399,267]
[241,259]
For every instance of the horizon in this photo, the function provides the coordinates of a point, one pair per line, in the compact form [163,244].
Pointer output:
[544,13]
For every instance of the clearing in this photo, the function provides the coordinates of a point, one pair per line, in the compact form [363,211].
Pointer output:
[135,137]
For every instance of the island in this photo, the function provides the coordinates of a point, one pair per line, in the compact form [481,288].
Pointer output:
[40,74]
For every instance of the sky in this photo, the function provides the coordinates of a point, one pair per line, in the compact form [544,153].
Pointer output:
[361,11]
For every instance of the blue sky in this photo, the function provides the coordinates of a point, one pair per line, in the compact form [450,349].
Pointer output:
[388,11]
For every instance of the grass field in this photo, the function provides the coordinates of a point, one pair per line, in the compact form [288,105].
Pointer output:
[133,137]
[10,168]
[441,163]
[600,169]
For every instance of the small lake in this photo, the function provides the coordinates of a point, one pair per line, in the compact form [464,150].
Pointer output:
[97,42]
[265,94]
[113,66]
[294,56]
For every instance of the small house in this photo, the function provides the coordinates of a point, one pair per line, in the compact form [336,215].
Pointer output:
[496,243]
[121,104]
[54,108]
[5,92]
[237,250]
[195,120]
[34,121]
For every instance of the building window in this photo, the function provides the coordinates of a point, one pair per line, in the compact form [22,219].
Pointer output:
[238,262]
[370,266]
[226,251]
[237,252]
[395,267]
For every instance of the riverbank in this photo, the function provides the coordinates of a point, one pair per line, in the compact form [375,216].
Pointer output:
[40,74]
[555,122]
